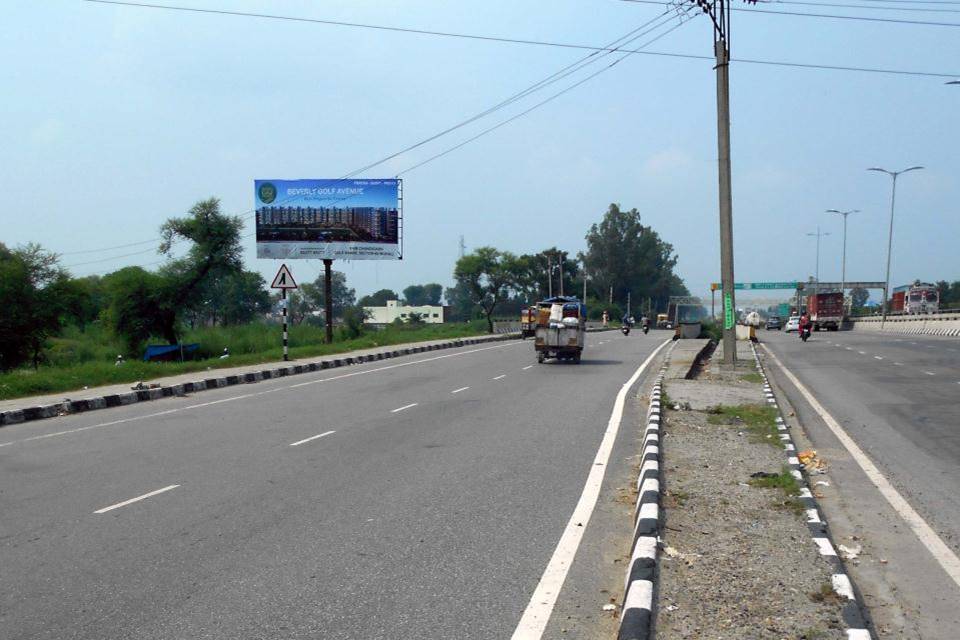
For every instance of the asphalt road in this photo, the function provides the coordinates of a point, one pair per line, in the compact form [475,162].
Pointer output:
[415,498]
[898,398]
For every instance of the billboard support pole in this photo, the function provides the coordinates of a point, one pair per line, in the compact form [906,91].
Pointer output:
[328,297]
[283,297]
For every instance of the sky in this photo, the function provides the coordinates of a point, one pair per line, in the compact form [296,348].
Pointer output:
[117,118]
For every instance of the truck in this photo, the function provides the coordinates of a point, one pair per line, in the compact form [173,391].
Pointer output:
[916,298]
[825,310]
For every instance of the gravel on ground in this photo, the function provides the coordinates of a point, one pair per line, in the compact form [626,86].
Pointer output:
[737,561]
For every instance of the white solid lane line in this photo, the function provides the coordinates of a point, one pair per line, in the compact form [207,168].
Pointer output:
[528,367]
[460,389]
[943,554]
[137,499]
[500,377]
[305,440]
[537,614]
[412,404]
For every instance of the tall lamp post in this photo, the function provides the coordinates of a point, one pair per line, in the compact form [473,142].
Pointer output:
[893,200]
[843,263]
[818,234]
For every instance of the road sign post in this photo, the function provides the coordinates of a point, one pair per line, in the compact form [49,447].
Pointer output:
[328,298]
[283,281]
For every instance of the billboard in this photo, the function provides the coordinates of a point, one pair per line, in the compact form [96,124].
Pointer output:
[340,219]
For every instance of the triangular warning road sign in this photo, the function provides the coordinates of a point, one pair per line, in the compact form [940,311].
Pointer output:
[283,279]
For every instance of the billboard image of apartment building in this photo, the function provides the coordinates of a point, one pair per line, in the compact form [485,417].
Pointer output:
[357,219]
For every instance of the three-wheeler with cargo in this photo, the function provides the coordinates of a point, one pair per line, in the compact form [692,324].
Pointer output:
[561,329]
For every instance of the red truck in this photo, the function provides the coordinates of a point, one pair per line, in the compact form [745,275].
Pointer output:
[825,310]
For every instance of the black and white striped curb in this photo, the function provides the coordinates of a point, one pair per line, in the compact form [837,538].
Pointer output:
[636,616]
[143,395]
[852,613]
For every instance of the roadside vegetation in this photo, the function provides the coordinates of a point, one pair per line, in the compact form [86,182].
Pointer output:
[758,420]
[87,358]
[61,332]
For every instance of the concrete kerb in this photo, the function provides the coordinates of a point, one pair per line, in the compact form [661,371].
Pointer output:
[66,407]
[853,607]
[636,616]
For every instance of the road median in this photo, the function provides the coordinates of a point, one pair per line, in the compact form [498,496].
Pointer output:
[730,542]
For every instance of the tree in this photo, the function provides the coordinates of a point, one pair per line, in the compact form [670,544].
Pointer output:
[215,252]
[532,275]
[462,306]
[487,277]
[342,296]
[35,297]
[859,297]
[378,299]
[140,306]
[418,295]
[628,256]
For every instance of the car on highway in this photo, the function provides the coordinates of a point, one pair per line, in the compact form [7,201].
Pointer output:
[793,324]
[773,322]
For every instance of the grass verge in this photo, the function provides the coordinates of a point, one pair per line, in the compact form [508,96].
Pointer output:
[752,377]
[757,419]
[245,350]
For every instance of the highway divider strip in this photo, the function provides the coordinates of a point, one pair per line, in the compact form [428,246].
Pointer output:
[853,607]
[636,616]
[68,407]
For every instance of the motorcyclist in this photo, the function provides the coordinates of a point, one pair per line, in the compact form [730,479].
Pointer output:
[805,324]
[626,320]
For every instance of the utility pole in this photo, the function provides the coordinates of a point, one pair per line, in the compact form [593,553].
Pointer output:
[719,12]
[893,199]
[328,297]
[610,301]
[843,261]
[562,260]
[628,304]
[549,277]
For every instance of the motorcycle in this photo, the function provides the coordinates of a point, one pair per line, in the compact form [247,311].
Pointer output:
[805,333]
[625,329]
[646,329]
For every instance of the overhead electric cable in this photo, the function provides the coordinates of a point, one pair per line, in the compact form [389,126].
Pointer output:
[820,15]
[539,104]
[856,6]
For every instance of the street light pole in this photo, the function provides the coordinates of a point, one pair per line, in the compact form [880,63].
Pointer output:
[893,199]
[843,263]
[818,234]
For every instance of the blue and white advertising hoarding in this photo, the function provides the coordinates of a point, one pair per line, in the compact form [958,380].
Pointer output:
[339,219]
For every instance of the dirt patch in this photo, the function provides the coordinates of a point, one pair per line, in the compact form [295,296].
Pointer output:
[737,559]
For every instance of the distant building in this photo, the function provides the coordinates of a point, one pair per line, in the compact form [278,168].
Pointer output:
[394,310]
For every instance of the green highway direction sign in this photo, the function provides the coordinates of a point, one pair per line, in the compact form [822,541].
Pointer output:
[755,286]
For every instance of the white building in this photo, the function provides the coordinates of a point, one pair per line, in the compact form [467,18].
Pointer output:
[394,310]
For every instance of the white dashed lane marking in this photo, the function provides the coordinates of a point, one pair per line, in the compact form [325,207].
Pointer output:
[137,499]
[306,440]
[500,377]
[406,406]
[460,389]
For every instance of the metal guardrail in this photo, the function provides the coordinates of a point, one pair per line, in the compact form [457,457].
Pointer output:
[949,314]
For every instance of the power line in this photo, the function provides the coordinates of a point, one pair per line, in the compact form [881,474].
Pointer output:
[857,6]
[821,15]
[543,102]
[338,23]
